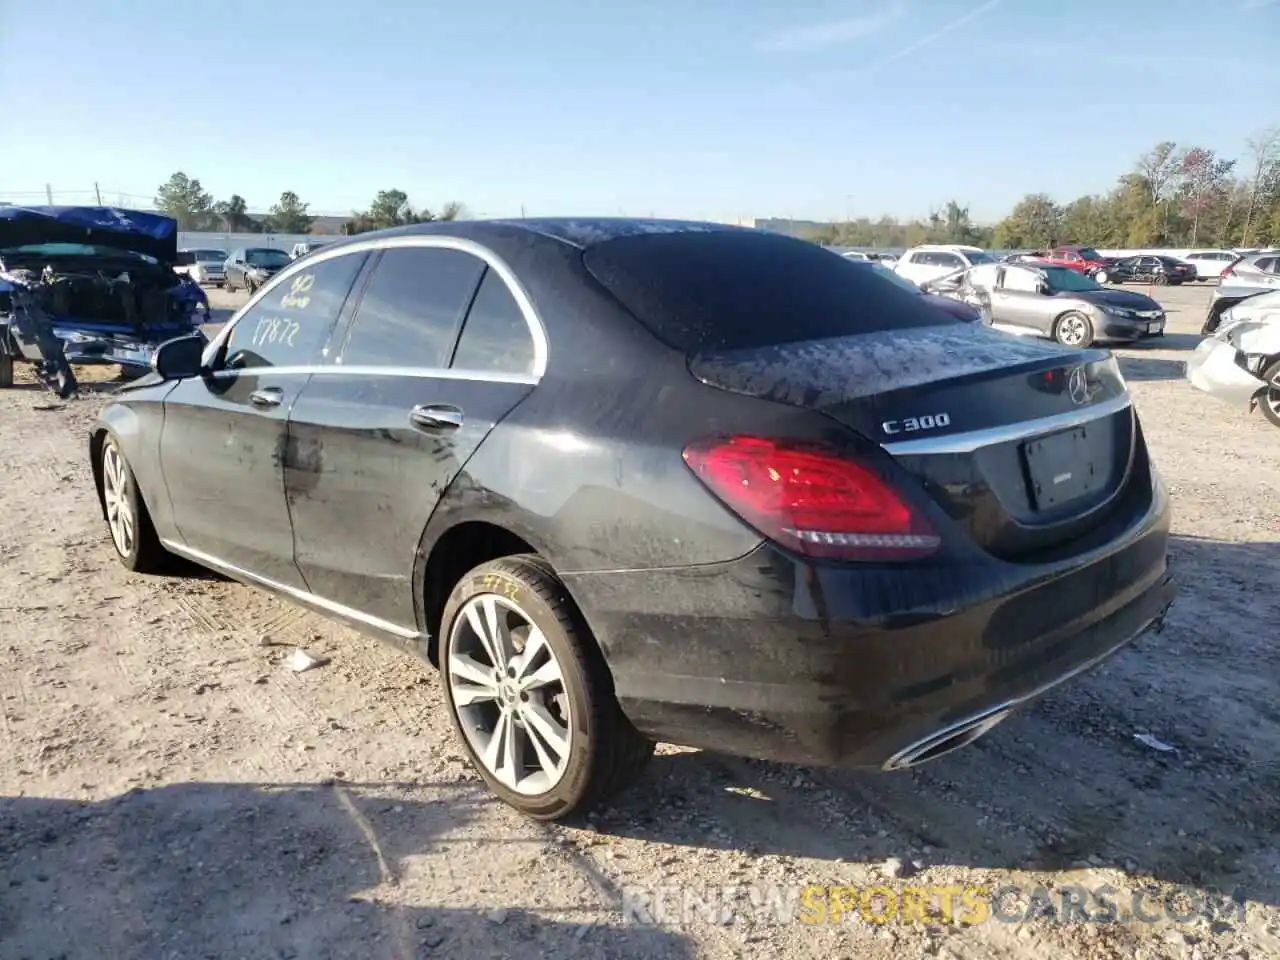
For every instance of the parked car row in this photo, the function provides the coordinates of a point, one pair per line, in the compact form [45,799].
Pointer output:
[244,268]
[567,461]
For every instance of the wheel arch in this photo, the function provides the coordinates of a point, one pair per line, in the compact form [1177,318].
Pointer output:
[97,438]
[448,550]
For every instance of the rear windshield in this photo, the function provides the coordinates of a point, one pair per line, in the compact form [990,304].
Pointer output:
[698,292]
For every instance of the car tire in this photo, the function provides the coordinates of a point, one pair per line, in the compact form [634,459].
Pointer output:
[1073,329]
[128,522]
[582,735]
[1160,279]
[6,371]
[1270,399]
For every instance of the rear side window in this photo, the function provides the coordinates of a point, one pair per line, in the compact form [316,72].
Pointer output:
[737,290]
[412,307]
[495,338]
[1266,264]
[290,325]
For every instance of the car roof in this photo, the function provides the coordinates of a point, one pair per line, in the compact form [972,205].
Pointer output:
[581,232]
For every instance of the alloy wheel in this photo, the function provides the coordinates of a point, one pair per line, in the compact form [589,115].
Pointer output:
[115,497]
[1072,331]
[509,692]
[1272,396]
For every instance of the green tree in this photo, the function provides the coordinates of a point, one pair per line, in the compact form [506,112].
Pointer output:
[184,199]
[234,214]
[1035,222]
[1206,182]
[289,215]
[1262,183]
[391,208]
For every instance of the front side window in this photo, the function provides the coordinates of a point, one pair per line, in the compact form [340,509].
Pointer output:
[411,310]
[495,337]
[290,325]
[1064,280]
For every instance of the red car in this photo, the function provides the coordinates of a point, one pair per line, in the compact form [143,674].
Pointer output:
[1082,259]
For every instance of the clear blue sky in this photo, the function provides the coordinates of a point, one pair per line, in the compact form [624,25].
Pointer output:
[697,108]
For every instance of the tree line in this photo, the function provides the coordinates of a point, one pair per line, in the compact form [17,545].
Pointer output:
[185,199]
[1174,197]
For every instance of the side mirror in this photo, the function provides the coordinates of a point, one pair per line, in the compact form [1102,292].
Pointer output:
[180,358]
[1042,288]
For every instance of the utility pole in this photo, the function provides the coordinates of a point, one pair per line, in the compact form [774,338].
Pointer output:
[48,192]
[97,193]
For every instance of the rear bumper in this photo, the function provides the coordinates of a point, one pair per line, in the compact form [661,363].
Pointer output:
[1214,368]
[770,658]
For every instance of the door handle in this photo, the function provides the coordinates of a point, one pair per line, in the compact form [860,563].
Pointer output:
[435,416]
[267,397]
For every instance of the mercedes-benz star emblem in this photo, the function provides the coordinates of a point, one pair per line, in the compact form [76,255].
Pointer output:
[1078,386]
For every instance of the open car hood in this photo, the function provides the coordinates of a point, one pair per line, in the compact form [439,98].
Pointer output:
[151,234]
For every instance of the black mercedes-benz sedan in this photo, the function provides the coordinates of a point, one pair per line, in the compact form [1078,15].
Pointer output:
[636,481]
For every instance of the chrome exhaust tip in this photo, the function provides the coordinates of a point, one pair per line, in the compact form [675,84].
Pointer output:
[944,741]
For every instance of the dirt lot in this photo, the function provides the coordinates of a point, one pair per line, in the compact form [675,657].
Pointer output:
[169,789]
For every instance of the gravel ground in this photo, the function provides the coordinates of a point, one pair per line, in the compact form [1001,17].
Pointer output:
[169,789]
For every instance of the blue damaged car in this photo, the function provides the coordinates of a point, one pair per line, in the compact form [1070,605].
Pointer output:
[87,285]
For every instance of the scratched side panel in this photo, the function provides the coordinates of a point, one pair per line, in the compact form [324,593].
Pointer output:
[362,482]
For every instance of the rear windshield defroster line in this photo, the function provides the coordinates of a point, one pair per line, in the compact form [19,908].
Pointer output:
[700,292]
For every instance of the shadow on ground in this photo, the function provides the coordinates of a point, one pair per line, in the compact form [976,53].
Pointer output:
[281,871]
[1064,784]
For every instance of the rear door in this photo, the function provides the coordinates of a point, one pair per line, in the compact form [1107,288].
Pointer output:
[437,352]
[1017,302]
[223,442]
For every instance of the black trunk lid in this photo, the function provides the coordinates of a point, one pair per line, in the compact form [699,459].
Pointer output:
[1023,443]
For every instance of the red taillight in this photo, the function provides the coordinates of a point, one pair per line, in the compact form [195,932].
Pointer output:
[811,500]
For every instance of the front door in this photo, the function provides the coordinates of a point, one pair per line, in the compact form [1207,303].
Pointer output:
[377,437]
[223,443]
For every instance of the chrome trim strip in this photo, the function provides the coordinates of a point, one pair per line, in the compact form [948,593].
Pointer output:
[536,328]
[372,370]
[976,439]
[303,596]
